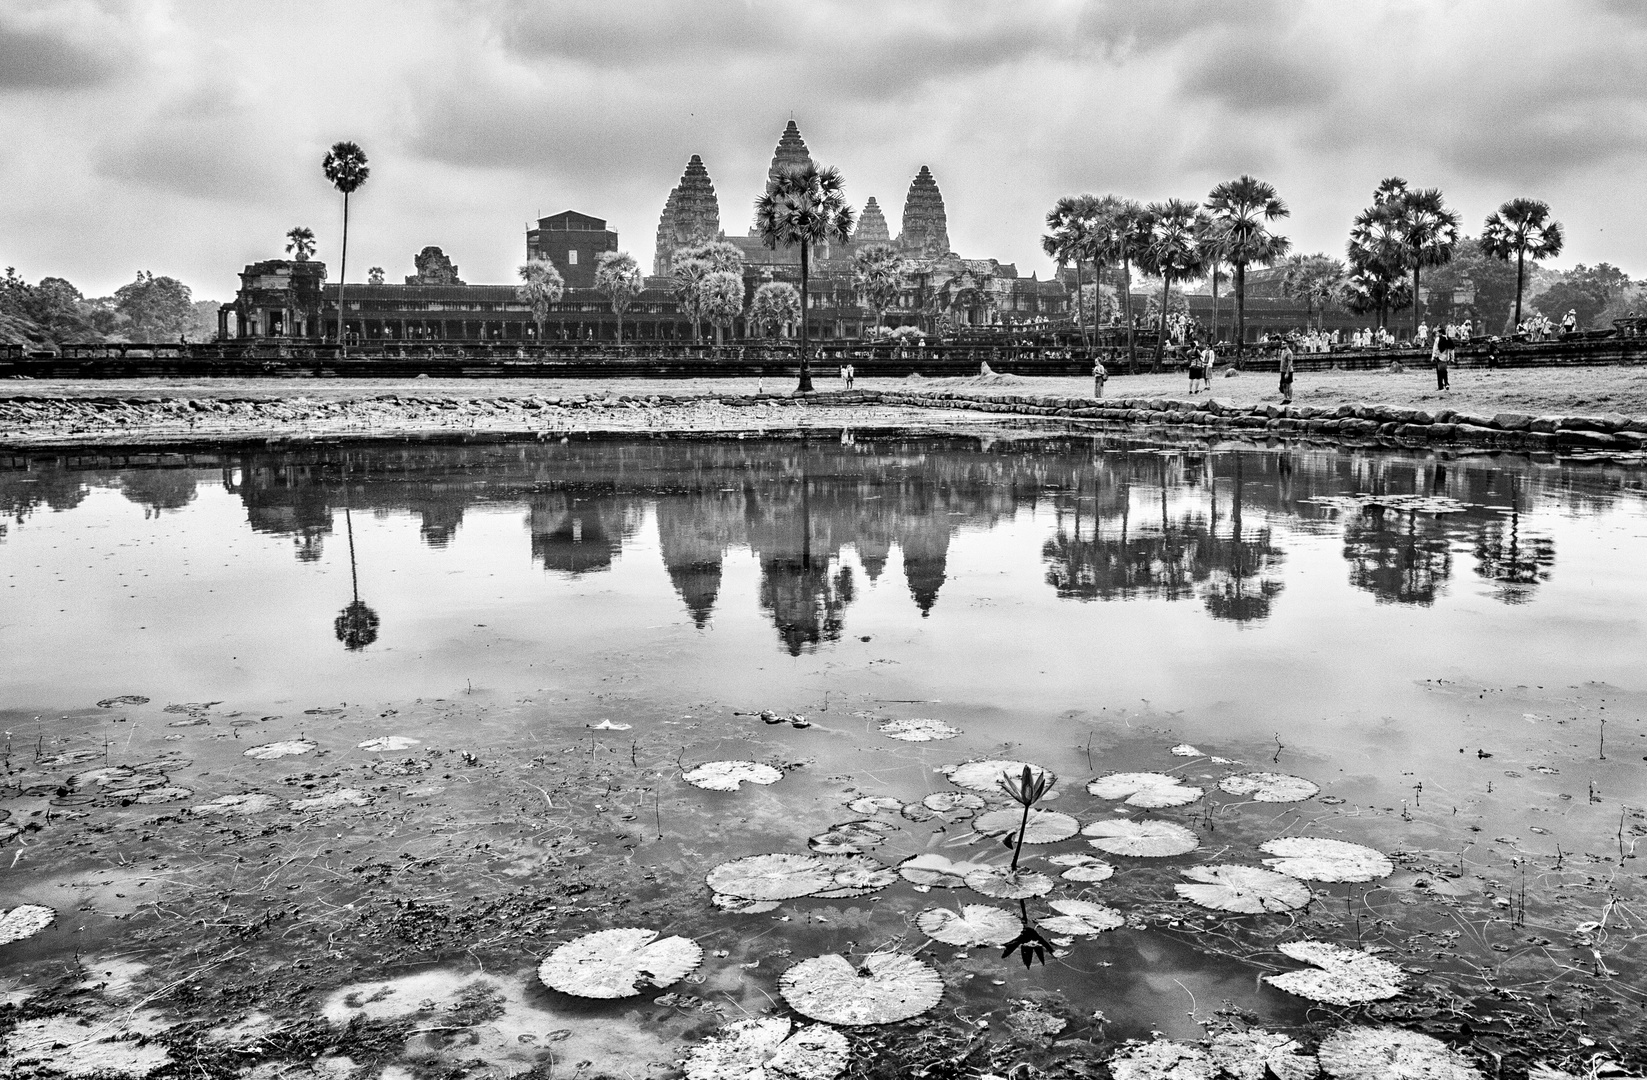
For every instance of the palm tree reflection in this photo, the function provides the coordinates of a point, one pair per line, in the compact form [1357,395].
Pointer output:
[356,625]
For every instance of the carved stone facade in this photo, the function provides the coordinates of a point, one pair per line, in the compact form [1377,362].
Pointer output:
[925,231]
[434,268]
[691,215]
[871,225]
[791,152]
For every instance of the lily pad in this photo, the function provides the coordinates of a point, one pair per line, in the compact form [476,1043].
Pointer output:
[1269,787]
[334,800]
[252,802]
[122,700]
[165,795]
[1080,918]
[389,742]
[874,804]
[953,802]
[856,875]
[739,906]
[918,729]
[1044,826]
[1244,889]
[987,775]
[1256,1054]
[937,871]
[1083,867]
[1340,977]
[24,921]
[850,837]
[1184,749]
[730,775]
[888,988]
[1029,1022]
[1144,839]
[1146,790]
[289,748]
[772,877]
[607,725]
[1318,859]
[1391,1053]
[1004,884]
[619,963]
[1162,1059]
[769,1048]
[973,924]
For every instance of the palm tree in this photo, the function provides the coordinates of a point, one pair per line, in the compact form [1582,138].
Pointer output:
[722,301]
[618,278]
[345,167]
[1428,232]
[300,242]
[877,274]
[1069,239]
[1119,235]
[540,286]
[1214,242]
[374,276]
[1244,207]
[1314,279]
[775,306]
[1377,252]
[1172,253]
[1521,227]
[805,205]
[356,625]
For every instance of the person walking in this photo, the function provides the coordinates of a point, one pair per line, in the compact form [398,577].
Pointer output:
[1569,323]
[1441,354]
[1286,374]
[1100,375]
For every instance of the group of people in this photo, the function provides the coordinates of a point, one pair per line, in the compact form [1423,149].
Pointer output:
[1540,328]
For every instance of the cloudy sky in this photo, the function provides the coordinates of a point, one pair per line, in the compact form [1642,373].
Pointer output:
[186,137]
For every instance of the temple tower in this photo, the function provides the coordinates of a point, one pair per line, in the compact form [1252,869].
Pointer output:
[925,231]
[691,215]
[791,151]
[871,225]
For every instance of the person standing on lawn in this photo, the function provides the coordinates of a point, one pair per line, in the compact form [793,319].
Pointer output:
[1100,375]
[1286,374]
[1441,353]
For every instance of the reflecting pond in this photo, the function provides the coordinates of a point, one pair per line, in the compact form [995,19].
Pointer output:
[1450,648]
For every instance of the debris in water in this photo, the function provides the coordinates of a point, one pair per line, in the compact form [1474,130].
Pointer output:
[888,988]
[1318,859]
[1145,839]
[918,729]
[1184,749]
[1340,977]
[1147,790]
[1245,889]
[729,775]
[24,921]
[122,700]
[389,742]
[607,725]
[763,1048]
[619,963]
[739,906]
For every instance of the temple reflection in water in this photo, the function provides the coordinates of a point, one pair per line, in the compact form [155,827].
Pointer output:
[1123,523]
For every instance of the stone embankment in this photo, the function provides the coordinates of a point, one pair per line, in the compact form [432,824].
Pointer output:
[1613,432]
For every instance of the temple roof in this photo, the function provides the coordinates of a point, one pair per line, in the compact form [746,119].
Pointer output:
[791,151]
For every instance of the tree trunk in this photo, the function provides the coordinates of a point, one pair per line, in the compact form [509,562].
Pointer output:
[1161,335]
[1240,314]
[1415,300]
[1519,253]
[1080,320]
[343,272]
[1215,303]
[1132,344]
[805,385]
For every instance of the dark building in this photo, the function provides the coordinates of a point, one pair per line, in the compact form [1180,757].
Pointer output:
[572,241]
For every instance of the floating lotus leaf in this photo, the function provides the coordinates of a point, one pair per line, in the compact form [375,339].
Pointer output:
[109,774]
[1391,1053]
[165,795]
[916,812]
[729,775]
[850,838]
[1317,859]
[1340,977]
[1184,749]
[619,963]
[1269,787]
[888,988]
[1004,884]
[1029,1022]
[1246,1055]
[1245,889]
[24,921]
[973,924]
[1162,1059]
[254,802]
[123,699]
[874,804]
[1147,839]
[1044,827]
[856,875]
[987,775]
[1080,918]
[290,748]
[953,802]
[607,725]
[1083,867]
[918,730]
[739,906]
[771,877]
[389,742]
[335,800]
[763,1048]
[937,871]
[1147,790]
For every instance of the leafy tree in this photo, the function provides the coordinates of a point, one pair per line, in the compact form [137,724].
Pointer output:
[374,276]
[776,305]
[1586,290]
[1214,242]
[719,254]
[1071,237]
[300,242]
[540,287]
[1428,231]
[1521,229]
[1172,254]
[722,301]
[1378,256]
[618,278]
[805,205]
[1120,235]
[877,272]
[1315,279]
[156,308]
[689,266]
[345,166]
[1244,208]
[1492,279]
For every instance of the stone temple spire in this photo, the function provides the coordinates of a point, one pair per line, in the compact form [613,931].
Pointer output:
[791,151]
[691,215]
[925,229]
[871,225]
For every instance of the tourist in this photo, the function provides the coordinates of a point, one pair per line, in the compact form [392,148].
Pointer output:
[1100,375]
[1441,354]
[1209,360]
[1423,334]
[1286,374]
[1569,323]
[1195,371]
[851,376]
[1492,355]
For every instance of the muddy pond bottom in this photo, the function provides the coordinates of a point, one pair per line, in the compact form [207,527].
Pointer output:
[317,756]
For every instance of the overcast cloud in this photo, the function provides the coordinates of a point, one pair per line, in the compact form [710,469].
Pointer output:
[186,138]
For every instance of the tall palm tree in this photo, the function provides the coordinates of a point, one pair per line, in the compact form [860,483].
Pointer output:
[1119,235]
[1245,207]
[540,286]
[1173,253]
[300,242]
[878,274]
[345,167]
[1214,242]
[805,205]
[1378,255]
[618,278]
[1069,239]
[1428,231]
[1522,228]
